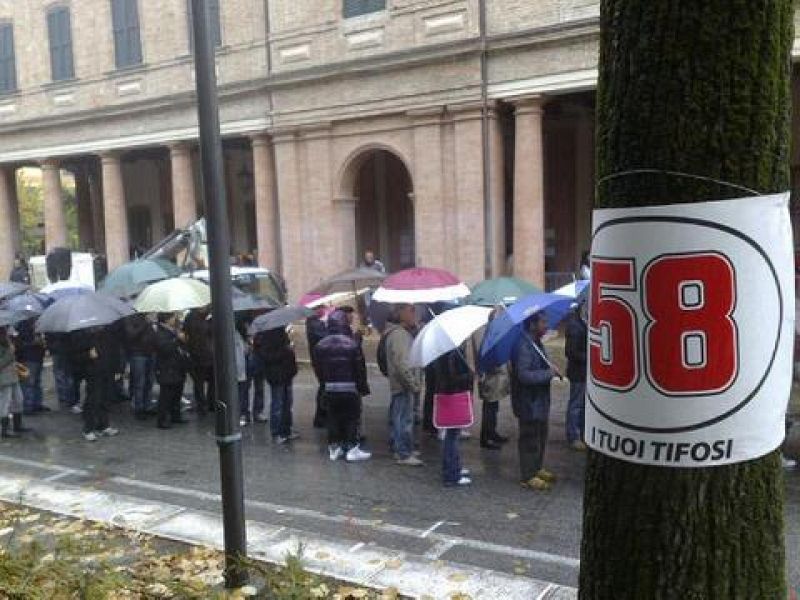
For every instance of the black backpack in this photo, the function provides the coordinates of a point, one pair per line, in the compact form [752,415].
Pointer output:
[382,359]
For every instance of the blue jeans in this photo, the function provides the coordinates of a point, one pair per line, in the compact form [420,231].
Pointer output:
[280,410]
[244,399]
[32,388]
[401,416]
[451,457]
[141,381]
[576,410]
[65,382]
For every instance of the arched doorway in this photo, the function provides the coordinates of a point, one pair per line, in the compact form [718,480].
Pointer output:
[384,209]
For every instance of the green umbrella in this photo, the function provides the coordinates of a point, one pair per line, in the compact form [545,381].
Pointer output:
[131,278]
[501,290]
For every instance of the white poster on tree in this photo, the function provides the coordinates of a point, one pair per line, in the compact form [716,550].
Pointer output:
[691,331]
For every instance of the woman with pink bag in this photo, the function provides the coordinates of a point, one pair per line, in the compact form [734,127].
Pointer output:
[452,384]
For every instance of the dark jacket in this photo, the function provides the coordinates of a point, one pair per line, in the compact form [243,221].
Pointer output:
[171,357]
[451,373]
[342,366]
[575,349]
[80,344]
[275,350]
[199,338]
[140,335]
[530,380]
[315,333]
[29,345]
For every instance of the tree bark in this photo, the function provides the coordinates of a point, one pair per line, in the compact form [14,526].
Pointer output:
[700,88]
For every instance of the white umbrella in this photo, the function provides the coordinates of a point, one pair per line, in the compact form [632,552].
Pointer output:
[574,289]
[336,298]
[446,332]
[173,295]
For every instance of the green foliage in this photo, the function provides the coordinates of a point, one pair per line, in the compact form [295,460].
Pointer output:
[31,213]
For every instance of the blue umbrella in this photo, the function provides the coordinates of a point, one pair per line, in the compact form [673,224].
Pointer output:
[504,331]
[29,304]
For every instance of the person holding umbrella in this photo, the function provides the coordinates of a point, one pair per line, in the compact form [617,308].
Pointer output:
[280,369]
[93,357]
[575,350]
[199,341]
[343,373]
[140,338]
[531,374]
[10,393]
[404,383]
[171,365]
[30,352]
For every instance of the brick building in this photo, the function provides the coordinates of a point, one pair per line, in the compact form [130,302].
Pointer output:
[451,133]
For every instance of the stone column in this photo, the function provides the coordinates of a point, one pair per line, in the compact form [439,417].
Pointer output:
[529,191]
[430,215]
[294,232]
[55,220]
[266,202]
[184,200]
[346,207]
[84,201]
[7,222]
[497,195]
[96,202]
[470,217]
[115,211]
[16,221]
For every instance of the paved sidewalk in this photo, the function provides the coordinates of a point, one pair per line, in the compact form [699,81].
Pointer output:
[362,564]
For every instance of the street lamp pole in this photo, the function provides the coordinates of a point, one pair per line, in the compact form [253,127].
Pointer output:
[229,437]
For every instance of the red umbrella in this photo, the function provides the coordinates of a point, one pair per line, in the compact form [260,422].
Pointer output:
[421,285]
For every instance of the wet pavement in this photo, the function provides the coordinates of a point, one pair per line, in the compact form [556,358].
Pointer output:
[494,524]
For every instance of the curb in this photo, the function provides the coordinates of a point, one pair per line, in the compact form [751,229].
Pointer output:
[364,565]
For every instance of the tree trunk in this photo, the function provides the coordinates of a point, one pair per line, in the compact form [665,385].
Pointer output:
[701,88]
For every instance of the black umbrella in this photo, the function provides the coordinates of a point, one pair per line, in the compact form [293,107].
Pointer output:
[280,317]
[11,288]
[351,281]
[73,313]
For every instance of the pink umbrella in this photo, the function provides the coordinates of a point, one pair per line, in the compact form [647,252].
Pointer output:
[421,286]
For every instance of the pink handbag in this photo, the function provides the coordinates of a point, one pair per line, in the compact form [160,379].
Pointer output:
[453,411]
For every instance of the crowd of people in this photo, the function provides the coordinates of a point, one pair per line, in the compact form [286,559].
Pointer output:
[170,348]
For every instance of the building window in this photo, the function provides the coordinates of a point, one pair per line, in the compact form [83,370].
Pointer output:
[354,8]
[8,70]
[216,31]
[60,34]
[127,43]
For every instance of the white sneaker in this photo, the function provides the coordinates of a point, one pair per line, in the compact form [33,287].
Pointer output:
[335,452]
[244,422]
[464,481]
[356,454]
[411,461]
[465,472]
[280,439]
[788,463]
[90,436]
[108,432]
[76,409]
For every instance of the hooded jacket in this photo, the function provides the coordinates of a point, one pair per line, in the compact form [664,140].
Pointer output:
[342,366]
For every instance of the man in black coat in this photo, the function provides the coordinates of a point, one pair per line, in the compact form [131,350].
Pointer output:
[140,344]
[94,354]
[171,359]
[575,349]
[200,344]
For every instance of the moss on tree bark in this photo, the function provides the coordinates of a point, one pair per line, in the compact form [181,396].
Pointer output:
[699,87]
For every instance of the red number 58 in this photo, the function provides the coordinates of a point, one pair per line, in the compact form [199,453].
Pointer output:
[690,340]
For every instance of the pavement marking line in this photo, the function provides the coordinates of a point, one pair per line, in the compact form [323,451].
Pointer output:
[490,547]
[431,529]
[439,550]
[59,475]
[546,591]
[357,547]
